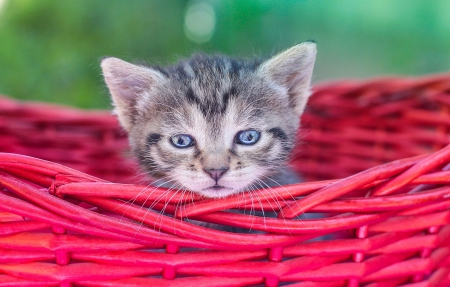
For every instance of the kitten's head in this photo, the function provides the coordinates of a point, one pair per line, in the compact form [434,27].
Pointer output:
[211,124]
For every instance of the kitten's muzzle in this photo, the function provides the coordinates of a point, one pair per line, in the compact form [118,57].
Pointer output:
[216,173]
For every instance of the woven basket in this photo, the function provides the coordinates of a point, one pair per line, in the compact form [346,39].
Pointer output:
[385,223]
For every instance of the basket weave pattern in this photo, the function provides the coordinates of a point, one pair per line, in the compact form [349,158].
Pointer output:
[386,222]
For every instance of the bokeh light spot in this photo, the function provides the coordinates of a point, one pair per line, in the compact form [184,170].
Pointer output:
[199,21]
[2,4]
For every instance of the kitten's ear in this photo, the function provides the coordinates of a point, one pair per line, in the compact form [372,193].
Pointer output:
[127,83]
[292,69]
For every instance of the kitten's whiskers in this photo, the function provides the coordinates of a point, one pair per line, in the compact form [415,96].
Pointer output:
[293,198]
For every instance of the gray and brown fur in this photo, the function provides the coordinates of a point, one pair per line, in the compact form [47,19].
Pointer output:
[212,98]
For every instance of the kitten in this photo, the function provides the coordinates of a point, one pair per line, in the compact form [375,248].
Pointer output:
[211,124]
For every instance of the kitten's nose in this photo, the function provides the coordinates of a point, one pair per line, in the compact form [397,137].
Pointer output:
[216,173]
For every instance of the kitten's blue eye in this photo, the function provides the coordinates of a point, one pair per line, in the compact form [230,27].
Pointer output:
[182,141]
[248,137]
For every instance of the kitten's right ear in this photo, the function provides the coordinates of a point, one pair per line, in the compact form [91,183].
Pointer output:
[292,69]
[127,83]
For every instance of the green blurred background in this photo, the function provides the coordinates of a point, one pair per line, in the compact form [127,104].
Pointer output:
[50,49]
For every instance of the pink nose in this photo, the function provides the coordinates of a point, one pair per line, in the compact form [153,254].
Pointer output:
[216,174]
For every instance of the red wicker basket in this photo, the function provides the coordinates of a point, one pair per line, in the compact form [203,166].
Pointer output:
[386,222]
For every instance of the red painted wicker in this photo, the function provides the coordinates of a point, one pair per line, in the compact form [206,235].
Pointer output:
[385,223]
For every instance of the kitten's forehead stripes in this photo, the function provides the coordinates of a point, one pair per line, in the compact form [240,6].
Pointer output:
[210,82]
[192,98]
[201,64]
[209,105]
[232,92]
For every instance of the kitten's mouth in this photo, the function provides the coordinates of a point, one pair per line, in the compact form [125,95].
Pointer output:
[216,191]
[217,187]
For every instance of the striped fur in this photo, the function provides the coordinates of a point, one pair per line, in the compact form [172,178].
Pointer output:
[212,98]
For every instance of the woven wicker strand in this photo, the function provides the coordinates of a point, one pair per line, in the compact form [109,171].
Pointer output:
[374,211]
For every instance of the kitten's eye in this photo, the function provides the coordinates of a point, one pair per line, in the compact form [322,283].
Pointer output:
[248,137]
[182,141]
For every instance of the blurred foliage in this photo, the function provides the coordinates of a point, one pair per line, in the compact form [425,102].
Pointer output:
[50,49]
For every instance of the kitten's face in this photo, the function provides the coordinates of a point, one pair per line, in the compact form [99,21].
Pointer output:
[214,137]
[212,125]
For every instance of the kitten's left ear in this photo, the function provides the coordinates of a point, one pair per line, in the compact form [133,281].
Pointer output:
[128,84]
[292,69]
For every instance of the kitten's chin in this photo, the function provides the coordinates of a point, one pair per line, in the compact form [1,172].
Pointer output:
[217,192]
